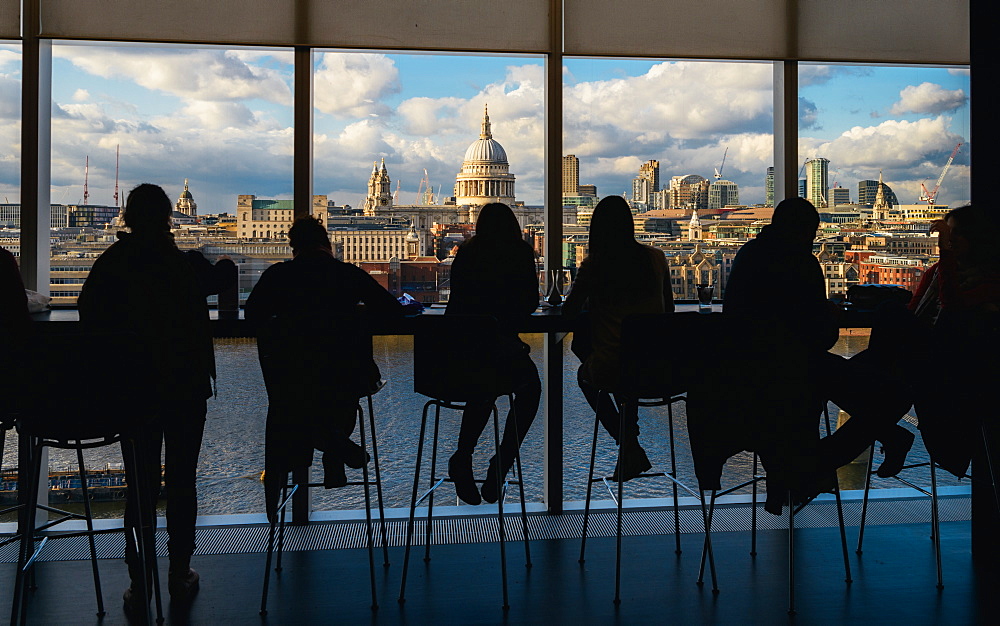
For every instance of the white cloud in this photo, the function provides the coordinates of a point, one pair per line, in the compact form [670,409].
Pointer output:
[928,98]
[353,84]
[81,95]
[193,74]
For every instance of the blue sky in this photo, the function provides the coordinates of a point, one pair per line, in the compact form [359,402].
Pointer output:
[223,119]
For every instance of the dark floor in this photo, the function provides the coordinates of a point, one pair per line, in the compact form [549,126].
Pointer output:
[894,582]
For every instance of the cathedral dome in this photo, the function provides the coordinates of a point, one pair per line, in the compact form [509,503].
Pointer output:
[486,148]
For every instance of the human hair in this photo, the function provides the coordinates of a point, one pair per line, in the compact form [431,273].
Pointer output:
[308,233]
[496,226]
[970,222]
[614,253]
[148,209]
[796,215]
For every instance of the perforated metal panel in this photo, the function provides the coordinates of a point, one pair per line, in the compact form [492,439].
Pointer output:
[484,528]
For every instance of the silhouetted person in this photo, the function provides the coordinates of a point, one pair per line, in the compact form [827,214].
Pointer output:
[956,310]
[14,322]
[776,294]
[494,274]
[620,277]
[145,284]
[313,285]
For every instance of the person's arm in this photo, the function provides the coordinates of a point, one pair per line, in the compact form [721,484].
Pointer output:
[668,288]
[527,283]
[576,301]
[13,300]
[102,296]
[262,303]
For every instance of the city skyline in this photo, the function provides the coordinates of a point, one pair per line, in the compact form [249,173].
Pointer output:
[180,112]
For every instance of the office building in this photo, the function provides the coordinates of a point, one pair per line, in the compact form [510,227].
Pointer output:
[271,219]
[769,187]
[838,196]
[817,175]
[689,192]
[723,193]
[570,175]
[867,190]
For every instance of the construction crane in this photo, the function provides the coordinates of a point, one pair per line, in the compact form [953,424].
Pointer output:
[86,179]
[117,147]
[718,171]
[395,194]
[425,192]
[930,196]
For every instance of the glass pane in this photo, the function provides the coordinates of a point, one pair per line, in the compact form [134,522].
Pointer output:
[10,147]
[688,145]
[883,153]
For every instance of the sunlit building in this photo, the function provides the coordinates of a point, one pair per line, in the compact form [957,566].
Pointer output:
[723,193]
[570,175]
[485,175]
[817,181]
[689,192]
[271,219]
[185,203]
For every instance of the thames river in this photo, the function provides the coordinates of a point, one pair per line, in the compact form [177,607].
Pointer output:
[232,455]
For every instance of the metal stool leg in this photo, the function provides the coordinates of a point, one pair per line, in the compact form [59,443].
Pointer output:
[621,474]
[500,479]
[936,525]
[520,482]
[753,509]
[864,501]
[673,473]
[267,563]
[706,551]
[590,484]
[791,554]
[26,525]
[281,525]
[149,502]
[413,504]
[378,486]
[368,509]
[90,531]
[840,505]
[430,499]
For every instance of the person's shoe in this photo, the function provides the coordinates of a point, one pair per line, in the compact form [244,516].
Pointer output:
[133,605]
[490,490]
[635,462]
[460,473]
[334,475]
[895,448]
[183,586]
[353,454]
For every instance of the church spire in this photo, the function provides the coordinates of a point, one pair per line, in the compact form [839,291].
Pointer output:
[486,133]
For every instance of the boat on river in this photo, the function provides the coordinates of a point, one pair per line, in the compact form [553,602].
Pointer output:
[103,485]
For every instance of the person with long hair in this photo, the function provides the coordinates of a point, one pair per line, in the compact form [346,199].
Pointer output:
[494,274]
[620,277]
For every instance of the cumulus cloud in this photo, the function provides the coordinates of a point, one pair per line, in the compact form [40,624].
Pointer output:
[928,98]
[194,74]
[354,84]
[81,95]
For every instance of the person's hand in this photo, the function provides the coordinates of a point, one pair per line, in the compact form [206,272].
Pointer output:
[943,230]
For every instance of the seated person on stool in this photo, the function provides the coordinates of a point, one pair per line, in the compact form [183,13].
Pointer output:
[314,283]
[620,277]
[776,288]
[494,274]
[145,284]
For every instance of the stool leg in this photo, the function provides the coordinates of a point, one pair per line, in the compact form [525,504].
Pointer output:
[430,498]
[590,485]
[618,551]
[26,526]
[673,473]
[843,534]
[864,501]
[90,530]
[378,486]
[131,451]
[791,554]
[706,551]
[281,523]
[936,525]
[520,482]
[753,510]
[368,509]
[273,522]
[413,504]
[500,479]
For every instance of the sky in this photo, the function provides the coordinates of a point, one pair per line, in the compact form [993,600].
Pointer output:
[223,119]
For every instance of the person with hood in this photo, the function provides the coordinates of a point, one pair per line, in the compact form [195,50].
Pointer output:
[143,283]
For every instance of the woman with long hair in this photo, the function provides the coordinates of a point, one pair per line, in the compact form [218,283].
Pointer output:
[620,277]
[494,274]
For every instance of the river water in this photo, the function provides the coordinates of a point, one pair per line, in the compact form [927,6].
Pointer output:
[232,454]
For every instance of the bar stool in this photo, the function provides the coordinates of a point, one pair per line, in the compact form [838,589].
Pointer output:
[650,378]
[306,359]
[475,374]
[47,422]
[935,523]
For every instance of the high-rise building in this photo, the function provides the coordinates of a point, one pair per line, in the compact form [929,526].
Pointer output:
[802,188]
[571,175]
[689,192]
[723,193]
[646,183]
[817,181]
[837,196]
[769,187]
[867,190]
[588,190]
